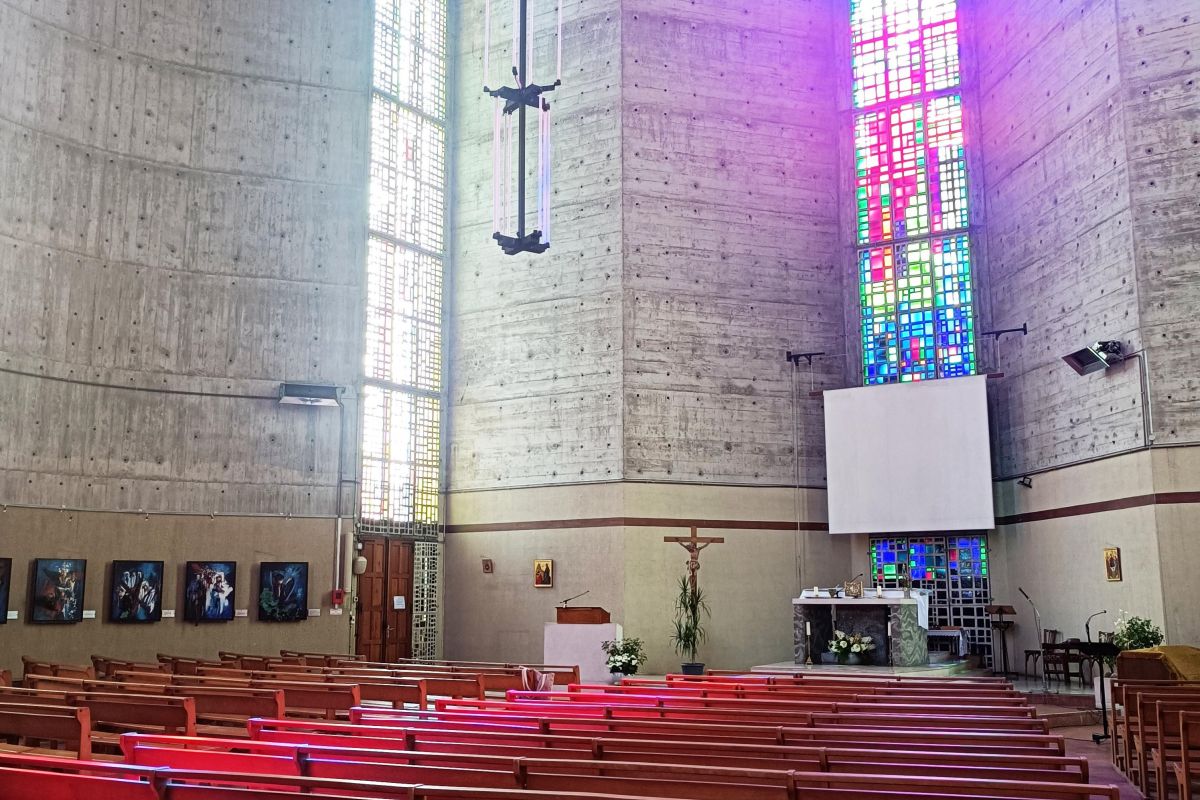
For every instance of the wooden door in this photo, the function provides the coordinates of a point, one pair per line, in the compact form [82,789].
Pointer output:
[384,633]
[398,630]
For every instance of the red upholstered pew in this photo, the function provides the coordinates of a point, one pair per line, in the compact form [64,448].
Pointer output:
[671,778]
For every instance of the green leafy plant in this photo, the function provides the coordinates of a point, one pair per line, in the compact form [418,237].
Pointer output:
[1134,633]
[690,608]
[624,655]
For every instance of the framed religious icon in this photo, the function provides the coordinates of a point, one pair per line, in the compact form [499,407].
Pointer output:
[58,587]
[543,573]
[136,593]
[1112,563]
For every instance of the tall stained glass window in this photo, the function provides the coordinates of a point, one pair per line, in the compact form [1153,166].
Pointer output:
[402,370]
[914,252]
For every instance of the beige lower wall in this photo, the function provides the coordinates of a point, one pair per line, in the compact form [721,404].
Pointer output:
[26,534]
[749,580]
[1059,562]
[500,617]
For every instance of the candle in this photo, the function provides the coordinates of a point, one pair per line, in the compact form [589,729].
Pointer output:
[807,628]
[879,591]
[889,629]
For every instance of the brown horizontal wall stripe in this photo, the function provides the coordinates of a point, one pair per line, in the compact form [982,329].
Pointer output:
[637,522]
[1137,501]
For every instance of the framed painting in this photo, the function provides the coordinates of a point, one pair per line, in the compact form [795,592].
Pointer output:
[136,591]
[1112,563]
[283,591]
[543,573]
[209,588]
[5,585]
[58,590]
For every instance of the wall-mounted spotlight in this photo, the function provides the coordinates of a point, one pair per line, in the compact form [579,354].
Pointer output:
[308,394]
[1026,481]
[1095,358]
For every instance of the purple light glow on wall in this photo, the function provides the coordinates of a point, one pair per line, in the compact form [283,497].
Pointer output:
[911,191]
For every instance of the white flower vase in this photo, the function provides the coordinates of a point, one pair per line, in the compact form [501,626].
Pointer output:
[615,678]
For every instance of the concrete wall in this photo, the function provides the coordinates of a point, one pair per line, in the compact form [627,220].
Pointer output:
[1057,227]
[1091,169]
[182,227]
[535,341]
[729,185]
[184,211]
[1160,80]
[101,537]
[636,371]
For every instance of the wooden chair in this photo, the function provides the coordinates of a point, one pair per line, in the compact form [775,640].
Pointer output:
[1062,661]
[1049,636]
[1187,768]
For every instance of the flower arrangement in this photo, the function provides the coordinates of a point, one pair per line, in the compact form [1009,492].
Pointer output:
[844,644]
[624,655]
[1134,633]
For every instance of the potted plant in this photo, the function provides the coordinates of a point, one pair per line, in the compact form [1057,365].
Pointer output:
[1130,633]
[851,648]
[624,657]
[689,625]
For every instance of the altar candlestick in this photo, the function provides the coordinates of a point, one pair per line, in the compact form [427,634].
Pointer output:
[879,591]
[807,628]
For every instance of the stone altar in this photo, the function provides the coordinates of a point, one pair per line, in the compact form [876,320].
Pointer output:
[870,615]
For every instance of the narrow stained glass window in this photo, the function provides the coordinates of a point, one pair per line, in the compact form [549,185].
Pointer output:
[911,197]
[402,370]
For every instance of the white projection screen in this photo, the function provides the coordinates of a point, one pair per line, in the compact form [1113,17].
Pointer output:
[909,457]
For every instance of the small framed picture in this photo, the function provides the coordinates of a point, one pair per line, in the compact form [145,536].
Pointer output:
[1112,563]
[58,589]
[208,590]
[488,566]
[283,591]
[5,585]
[543,573]
[136,593]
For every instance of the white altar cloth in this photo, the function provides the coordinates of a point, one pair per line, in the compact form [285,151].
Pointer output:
[919,596]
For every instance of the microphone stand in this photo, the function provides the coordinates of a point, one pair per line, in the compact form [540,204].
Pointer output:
[1037,621]
[576,597]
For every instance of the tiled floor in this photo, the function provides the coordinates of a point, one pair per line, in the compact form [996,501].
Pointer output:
[1099,756]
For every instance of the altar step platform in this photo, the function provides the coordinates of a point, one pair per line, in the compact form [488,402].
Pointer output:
[941,670]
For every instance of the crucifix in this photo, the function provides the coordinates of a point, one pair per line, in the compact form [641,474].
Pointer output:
[694,544]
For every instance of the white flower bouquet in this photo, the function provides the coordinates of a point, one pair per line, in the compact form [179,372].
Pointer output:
[624,655]
[844,644]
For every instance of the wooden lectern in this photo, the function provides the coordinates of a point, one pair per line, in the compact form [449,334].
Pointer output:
[582,615]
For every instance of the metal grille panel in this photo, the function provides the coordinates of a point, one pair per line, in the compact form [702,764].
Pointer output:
[427,601]
[955,571]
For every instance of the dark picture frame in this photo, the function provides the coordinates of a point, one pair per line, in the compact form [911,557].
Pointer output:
[57,590]
[283,591]
[5,587]
[135,593]
[209,591]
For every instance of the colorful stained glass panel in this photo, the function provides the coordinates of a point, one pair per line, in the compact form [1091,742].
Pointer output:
[903,48]
[911,191]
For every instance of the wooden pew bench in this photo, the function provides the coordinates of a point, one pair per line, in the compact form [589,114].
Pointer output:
[34,726]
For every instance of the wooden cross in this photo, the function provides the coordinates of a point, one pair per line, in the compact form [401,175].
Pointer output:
[694,544]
